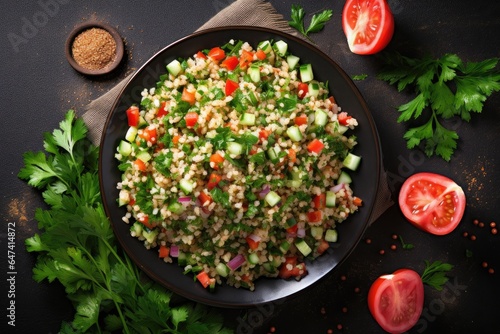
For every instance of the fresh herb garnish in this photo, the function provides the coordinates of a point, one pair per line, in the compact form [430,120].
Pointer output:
[434,274]
[405,245]
[447,88]
[317,23]
[359,77]
[77,247]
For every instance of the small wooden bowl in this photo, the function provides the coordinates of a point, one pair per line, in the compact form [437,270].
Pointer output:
[109,67]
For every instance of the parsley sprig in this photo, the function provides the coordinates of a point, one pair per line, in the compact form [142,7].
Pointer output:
[434,274]
[317,23]
[77,247]
[445,87]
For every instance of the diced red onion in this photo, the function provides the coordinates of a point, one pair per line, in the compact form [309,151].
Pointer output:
[291,235]
[337,188]
[236,262]
[301,232]
[184,200]
[174,251]
[264,191]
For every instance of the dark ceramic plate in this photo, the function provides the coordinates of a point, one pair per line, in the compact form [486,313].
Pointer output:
[365,183]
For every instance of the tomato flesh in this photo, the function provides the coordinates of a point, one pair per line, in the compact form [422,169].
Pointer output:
[368,25]
[396,301]
[432,202]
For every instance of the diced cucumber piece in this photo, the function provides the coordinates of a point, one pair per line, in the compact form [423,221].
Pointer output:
[331,235]
[338,128]
[320,117]
[144,156]
[317,232]
[182,259]
[142,122]
[306,72]
[136,229]
[303,247]
[253,258]
[281,47]
[293,183]
[331,199]
[186,186]
[247,119]
[123,198]
[254,73]
[273,154]
[294,133]
[352,161]
[124,148]
[313,88]
[272,198]
[176,207]
[234,148]
[344,178]
[131,134]
[150,236]
[284,247]
[222,269]
[265,46]
[174,67]
[292,61]
[269,267]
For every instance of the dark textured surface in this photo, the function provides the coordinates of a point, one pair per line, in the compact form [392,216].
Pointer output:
[38,86]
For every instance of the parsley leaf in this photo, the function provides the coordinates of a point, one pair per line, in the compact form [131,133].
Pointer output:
[76,246]
[434,274]
[317,23]
[405,245]
[447,88]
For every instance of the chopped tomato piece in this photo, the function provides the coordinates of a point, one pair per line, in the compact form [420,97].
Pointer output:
[292,155]
[204,279]
[261,55]
[314,216]
[163,252]
[175,139]
[315,146]
[291,268]
[292,229]
[133,116]
[301,120]
[263,134]
[357,201]
[231,86]
[252,244]
[213,181]
[303,89]
[205,199]
[246,58]
[217,54]
[149,134]
[201,55]
[230,63]
[217,160]
[343,118]
[323,245]
[163,110]
[319,201]
[140,165]
[188,96]
[191,118]
[145,221]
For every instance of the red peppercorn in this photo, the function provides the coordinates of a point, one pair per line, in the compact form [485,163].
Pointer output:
[493,224]
[491,271]
[494,231]
[481,224]
[368,241]
[473,237]
[475,222]
[484,264]
[465,234]
[356,290]
[381,252]
[393,247]
[394,236]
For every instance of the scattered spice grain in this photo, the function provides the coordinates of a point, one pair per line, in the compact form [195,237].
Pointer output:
[491,271]
[494,231]
[393,247]
[94,49]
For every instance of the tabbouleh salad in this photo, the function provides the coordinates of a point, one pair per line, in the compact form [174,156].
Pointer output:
[235,165]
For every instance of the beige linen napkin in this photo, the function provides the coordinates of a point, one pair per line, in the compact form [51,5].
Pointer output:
[241,12]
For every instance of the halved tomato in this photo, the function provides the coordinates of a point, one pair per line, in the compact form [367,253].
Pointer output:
[432,202]
[368,25]
[396,301]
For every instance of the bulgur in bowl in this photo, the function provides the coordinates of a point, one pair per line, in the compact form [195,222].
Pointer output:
[219,194]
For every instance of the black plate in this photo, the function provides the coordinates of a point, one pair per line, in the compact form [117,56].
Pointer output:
[365,183]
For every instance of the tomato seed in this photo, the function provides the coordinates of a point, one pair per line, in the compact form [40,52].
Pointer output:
[484,264]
